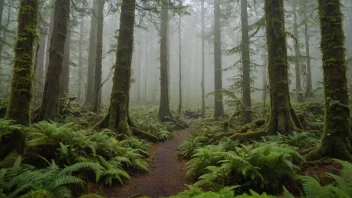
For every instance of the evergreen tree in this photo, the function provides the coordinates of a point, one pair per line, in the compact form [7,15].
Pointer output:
[19,107]
[337,137]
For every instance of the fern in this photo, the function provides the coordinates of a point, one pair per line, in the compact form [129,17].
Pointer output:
[263,165]
[313,189]
[255,194]
[22,178]
[300,140]
[341,187]
[112,171]
[188,147]
[226,192]
[7,127]
[203,157]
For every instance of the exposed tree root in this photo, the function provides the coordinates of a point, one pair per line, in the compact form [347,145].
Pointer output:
[144,135]
[336,148]
[180,124]
[249,135]
[133,127]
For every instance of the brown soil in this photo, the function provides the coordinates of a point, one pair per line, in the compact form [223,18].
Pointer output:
[166,176]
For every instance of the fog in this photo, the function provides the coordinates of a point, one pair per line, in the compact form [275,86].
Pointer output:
[146,86]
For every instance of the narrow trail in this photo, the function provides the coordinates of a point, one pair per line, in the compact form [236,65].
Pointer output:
[166,176]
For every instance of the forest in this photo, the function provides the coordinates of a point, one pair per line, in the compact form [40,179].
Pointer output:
[175,98]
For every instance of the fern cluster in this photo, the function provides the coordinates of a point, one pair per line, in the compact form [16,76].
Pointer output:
[226,192]
[146,118]
[74,145]
[263,165]
[341,187]
[22,178]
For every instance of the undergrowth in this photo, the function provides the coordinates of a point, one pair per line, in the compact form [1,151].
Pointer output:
[268,167]
[60,157]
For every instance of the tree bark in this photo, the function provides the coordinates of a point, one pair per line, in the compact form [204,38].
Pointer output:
[297,54]
[80,60]
[219,109]
[99,58]
[39,68]
[2,2]
[203,60]
[65,75]
[280,119]
[48,41]
[49,109]
[92,54]
[180,68]
[19,107]
[246,66]
[337,136]
[309,90]
[164,108]
[118,116]
[4,34]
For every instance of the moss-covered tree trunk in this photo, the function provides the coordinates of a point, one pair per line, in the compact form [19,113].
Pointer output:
[49,109]
[118,116]
[92,54]
[246,65]
[164,108]
[19,107]
[219,108]
[2,3]
[281,112]
[99,57]
[337,136]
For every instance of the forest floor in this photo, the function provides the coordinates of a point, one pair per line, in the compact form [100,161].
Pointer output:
[166,176]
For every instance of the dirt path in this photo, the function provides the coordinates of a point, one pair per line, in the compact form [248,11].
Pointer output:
[166,175]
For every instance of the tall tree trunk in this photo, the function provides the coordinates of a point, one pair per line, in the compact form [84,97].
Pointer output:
[2,2]
[99,58]
[246,66]
[219,108]
[309,90]
[118,116]
[92,54]
[65,75]
[80,59]
[337,136]
[19,107]
[146,65]
[180,68]
[138,66]
[265,83]
[48,41]
[281,113]
[297,54]
[4,35]
[49,109]
[164,108]
[203,61]
[39,68]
